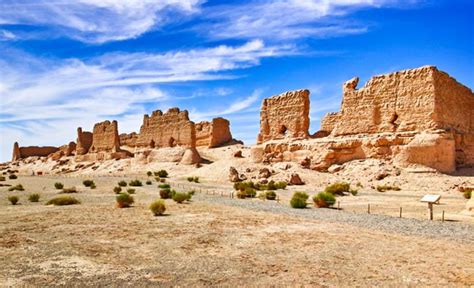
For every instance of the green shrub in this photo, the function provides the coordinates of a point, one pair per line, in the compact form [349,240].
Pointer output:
[164,186]
[354,192]
[2,178]
[148,182]
[196,179]
[250,192]
[88,183]
[158,207]
[338,188]
[162,173]
[13,199]
[58,185]
[190,195]
[69,190]
[12,176]
[124,200]
[383,188]
[243,185]
[149,173]
[122,183]
[34,197]
[467,193]
[190,179]
[117,189]
[280,185]
[17,187]
[165,193]
[180,197]
[63,200]
[241,194]
[93,186]
[324,200]
[299,200]
[270,195]
[135,183]
[131,191]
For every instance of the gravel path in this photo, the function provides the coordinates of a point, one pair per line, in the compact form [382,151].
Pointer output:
[412,227]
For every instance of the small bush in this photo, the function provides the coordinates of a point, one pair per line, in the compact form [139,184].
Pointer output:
[250,192]
[93,186]
[124,200]
[280,185]
[243,185]
[383,188]
[12,176]
[131,191]
[158,207]
[135,183]
[117,189]
[34,197]
[122,183]
[190,179]
[196,179]
[354,192]
[241,194]
[190,195]
[13,199]
[164,186]
[179,197]
[148,182]
[63,200]
[299,200]
[270,195]
[162,173]
[88,183]
[69,190]
[2,178]
[165,193]
[467,193]
[149,173]
[338,188]
[17,187]
[58,185]
[324,200]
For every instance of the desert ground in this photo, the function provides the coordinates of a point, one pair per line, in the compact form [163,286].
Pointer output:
[222,241]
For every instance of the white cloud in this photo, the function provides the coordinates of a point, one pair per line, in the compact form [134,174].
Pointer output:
[287,19]
[48,99]
[96,21]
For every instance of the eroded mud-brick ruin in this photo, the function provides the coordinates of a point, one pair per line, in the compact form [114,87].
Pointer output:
[169,136]
[413,118]
[420,116]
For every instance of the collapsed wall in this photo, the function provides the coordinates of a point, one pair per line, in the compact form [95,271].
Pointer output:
[213,134]
[30,151]
[284,116]
[420,116]
[84,141]
[169,129]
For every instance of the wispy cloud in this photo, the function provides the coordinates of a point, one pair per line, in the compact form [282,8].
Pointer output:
[96,21]
[63,94]
[288,19]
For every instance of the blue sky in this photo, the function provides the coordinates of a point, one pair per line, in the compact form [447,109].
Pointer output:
[70,63]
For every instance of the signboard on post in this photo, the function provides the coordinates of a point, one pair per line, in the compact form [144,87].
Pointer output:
[431,199]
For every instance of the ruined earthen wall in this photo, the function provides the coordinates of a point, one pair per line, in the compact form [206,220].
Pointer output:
[84,141]
[213,134]
[105,137]
[284,116]
[329,121]
[170,129]
[401,101]
[36,151]
[129,140]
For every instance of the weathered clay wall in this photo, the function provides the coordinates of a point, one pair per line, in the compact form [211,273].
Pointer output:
[284,116]
[170,129]
[329,121]
[105,137]
[84,141]
[401,101]
[24,152]
[213,134]
[129,140]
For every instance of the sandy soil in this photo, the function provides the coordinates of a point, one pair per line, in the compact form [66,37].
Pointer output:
[204,243]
